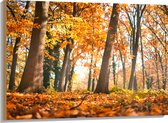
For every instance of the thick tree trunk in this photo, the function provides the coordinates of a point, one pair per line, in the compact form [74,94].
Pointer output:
[70,78]
[114,71]
[32,79]
[93,84]
[103,82]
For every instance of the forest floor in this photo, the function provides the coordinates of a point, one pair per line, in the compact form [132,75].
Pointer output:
[70,105]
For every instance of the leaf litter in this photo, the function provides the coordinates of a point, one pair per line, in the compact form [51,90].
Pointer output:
[71,105]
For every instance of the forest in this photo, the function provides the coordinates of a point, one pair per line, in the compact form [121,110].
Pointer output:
[71,59]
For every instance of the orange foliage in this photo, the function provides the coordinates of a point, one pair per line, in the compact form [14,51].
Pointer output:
[66,104]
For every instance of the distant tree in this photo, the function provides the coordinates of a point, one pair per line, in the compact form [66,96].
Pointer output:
[135,24]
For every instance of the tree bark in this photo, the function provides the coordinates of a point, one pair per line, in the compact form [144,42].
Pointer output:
[90,73]
[67,75]
[46,70]
[135,43]
[93,84]
[66,57]
[124,69]
[114,70]
[32,79]
[163,72]
[166,72]
[142,59]
[15,55]
[13,66]
[57,67]
[102,85]
[64,68]
[157,69]
[70,78]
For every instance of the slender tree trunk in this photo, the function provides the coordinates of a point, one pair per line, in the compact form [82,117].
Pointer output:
[157,69]
[142,59]
[46,70]
[67,76]
[32,79]
[135,84]
[162,71]
[13,66]
[15,55]
[57,67]
[166,72]
[90,73]
[64,68]
[123,69]
[135,43]
[47,66]
[66,57]
[103,82]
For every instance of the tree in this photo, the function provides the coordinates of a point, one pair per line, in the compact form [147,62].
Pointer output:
[56,66]
[47,65]
[103,81]
[15,49]
[65,65]
[32,79]
[136,26]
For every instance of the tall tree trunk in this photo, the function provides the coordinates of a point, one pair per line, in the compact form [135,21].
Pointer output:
[64,68]
[13,66]
[15,55]
[114,70]
[157,69]
[135,84]
[142,59]
[90,73]
[124,69]
[135,43]
[70,78]
[149,80]
[66,57]
[47,66]
[93,84]
[32,79]
[56,67]
[166,72]
[103,82]
[163,72]
[67,75]
[46,70]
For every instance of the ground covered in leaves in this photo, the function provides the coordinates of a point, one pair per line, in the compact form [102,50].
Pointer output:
[68,104]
